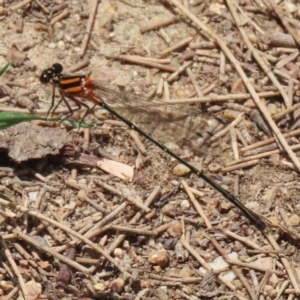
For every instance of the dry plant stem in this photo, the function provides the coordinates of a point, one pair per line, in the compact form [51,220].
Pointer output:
[285,76]
[4,99]
[291,89]
[269,141]
[158,24]
[194,82]
[162,33]
[12,293]
[286,60]
[175,47]
[254,280]
[198,193]
[98,227]
[286,264]
[222,67]
[147,63]
[148,202]
[241,166]
[180,279]
[141,231]
[65,229]
[86,138]
[137,141]
[254,267]
[285,217]
[235,269]
[245,79]
[285,23]
[38,111]
[59,17]
[217,98]
[192,251]
[284,285]
[263,282]
[224,131]
[243,240]
[156,60]
[25,254]
[196,204]
[15,268]
[58,219]
[50,251]
[166,90]
[261,155]
[234,144]
[179,71]
[80,65]
[283,113]
[120,238]
[203,263]
[89,26]
[20,5]
[94,204]
[255,54]
[129,199]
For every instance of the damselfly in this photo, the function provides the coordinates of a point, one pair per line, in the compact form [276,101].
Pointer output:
[77,88]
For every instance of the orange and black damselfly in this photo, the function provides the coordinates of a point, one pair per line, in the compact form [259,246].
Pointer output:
[77,88]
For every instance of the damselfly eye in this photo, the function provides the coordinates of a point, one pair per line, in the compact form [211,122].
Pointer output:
[57,68]
[45,77]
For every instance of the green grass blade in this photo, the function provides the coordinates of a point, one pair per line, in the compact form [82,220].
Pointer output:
[8,119]
[3,70]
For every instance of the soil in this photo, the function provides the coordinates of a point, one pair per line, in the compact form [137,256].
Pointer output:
[102,212]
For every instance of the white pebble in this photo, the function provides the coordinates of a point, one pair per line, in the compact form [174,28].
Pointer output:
[185,204]
[181,170]
[118,252]
[52,45]
[61,45]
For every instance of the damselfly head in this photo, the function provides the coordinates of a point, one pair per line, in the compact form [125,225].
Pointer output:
[51,73]
[46,76]
[57,69]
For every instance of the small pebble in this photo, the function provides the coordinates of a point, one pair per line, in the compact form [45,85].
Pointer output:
[61,45]
[6,286]
[118,252]
[274,220]
[32,196]
[272,108]
[100,287]
[217,8]
[175,230]
[169,210]
[273,280]
[274,158]
[181,170]
[265,263]
[295,220]
[214,168]
[117,285]
[126,245]
[159,258]
[52,45]
[34,290]
[144,284]
[290,7]
[269,291]
[186,272]
[185,204]
[230,114]
[238,87]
